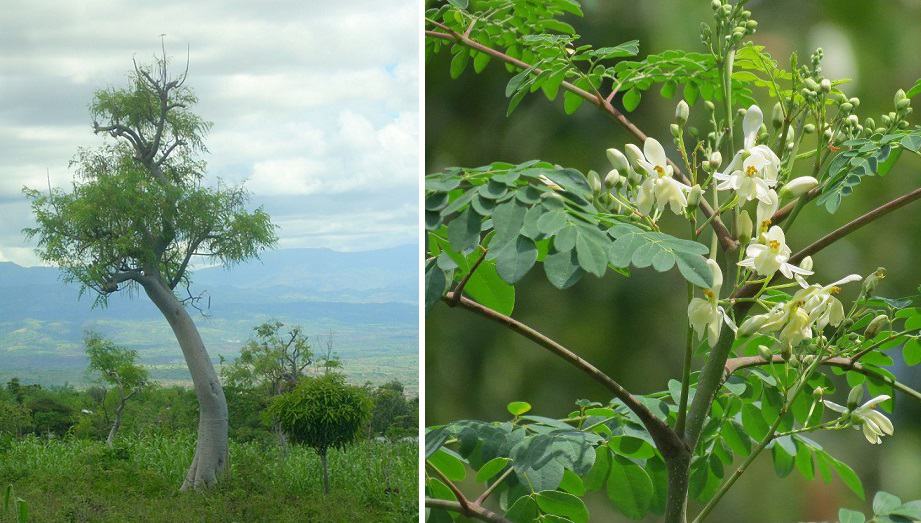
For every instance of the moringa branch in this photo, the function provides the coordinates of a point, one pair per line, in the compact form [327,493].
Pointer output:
[668,441]
[726,240]
[473,511]
[743,362]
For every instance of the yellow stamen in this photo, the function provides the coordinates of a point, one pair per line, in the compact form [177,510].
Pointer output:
[834,290]
[659,170]
[774,245]
[751,171]
[765,225]
[709,294]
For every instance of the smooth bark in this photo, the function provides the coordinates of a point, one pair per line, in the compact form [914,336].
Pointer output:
[325,471]
[211,450]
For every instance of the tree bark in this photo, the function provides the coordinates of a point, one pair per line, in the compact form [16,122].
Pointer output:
[115,424]
[211,450]
[678,480]
[325,471]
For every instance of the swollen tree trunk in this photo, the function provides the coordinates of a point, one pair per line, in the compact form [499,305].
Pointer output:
[211,450]
[325,471]
[116,424]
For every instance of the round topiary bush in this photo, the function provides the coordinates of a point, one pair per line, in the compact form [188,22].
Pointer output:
[322,412]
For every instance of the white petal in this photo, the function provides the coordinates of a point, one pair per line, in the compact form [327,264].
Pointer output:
[654,152]
[751,124]
[834,406]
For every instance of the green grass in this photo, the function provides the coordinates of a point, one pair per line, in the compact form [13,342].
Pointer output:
[138,480]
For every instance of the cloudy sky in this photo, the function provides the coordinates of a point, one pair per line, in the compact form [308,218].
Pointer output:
[314,105]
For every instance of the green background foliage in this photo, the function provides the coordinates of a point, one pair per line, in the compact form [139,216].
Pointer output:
[631,327]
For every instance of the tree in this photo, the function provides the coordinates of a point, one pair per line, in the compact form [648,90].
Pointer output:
[322,412]
[392,415]
[272,360]
[117,367]
[271,363]
[139,213]
[772,336]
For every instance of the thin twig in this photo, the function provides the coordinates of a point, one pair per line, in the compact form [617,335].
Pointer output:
[726,240]
[459,289]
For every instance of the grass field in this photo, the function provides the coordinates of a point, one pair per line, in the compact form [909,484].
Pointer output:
[73,480]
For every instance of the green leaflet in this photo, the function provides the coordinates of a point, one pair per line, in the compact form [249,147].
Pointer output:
[634,246]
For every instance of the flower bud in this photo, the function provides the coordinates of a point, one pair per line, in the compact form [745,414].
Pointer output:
[594,181]
[744,227]
[871,281]
[903,104]
[787,354]
[899,96]
[809,128]
[777,116]
[875,325]
[825,85]
[855,397]
[633,153]
[694,197]
[807,359]
[751,25]
[800,186]
[676,131]
[716,159]
[818,391]
[716,4]
[811,84]
[855,101]
[618,160]
[709,105]
[852,119]
[751,325]
[613,179]
[846,106]
[682,111]
[765,352]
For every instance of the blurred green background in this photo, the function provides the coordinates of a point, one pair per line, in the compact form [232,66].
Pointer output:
[633,329]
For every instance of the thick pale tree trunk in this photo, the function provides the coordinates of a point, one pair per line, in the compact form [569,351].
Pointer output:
[211,450]
[678,479]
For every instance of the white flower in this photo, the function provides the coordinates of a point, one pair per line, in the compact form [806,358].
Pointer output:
[873,423]
[753,170]
[770,254]
[659,189]
[813,307]
[705,314]
[820,303]
[766,209]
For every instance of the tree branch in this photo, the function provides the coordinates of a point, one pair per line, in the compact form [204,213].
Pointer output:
[668,441]
[743,362]
[726,240]
[475,511]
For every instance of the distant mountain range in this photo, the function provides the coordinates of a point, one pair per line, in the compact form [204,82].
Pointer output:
[368,299]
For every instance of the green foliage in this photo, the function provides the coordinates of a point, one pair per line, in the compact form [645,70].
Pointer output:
[887,508]
[273,360]
[138,206]
[322,412]
[514,216]
[114,365]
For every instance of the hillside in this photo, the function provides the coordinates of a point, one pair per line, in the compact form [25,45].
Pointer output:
[367,299]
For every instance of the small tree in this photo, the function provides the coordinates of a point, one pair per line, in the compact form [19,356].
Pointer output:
[322,412]
[271,363]
[118,368]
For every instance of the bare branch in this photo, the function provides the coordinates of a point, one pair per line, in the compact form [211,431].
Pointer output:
[667,440]
[476,512]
